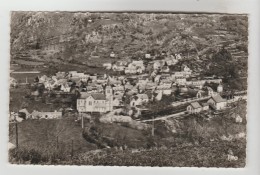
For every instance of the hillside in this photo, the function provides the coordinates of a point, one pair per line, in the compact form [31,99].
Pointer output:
[208,154]
[79,37]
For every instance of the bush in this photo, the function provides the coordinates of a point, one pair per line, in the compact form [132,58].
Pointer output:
[33,156]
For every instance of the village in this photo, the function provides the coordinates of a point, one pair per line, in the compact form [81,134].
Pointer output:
[139,84]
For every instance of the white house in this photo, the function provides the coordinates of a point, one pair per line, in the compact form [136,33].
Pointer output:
[214,81]
[186,69]
[147,56]
[143,80]
[135,66]
[157,65]
[139,99]
[119,88]
[179,74]
[108,66]
[84,78]
[112,55]
[169,62]
[198,83]
[220,88]
[73,73]
[102,80]
[93,77]
[181,81]
[139,70]
[118,67]
[65,88]
[130,70]
[165,69]
[194,108]
[165,84]
[217,102]
[210,91]
[138,63]
[164,90]
[174,60]
[144,98]
[178,56]
[119,95]
[157,78]
[117,102]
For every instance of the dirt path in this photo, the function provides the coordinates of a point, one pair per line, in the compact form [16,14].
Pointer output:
[165,117]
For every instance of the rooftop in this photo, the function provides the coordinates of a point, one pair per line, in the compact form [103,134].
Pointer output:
[195,105]
[142,96]
[84,95]
[218,99]
[98,96]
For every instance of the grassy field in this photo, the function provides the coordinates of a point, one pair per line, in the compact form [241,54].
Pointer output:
[21,78]
[18,101]
[42,135]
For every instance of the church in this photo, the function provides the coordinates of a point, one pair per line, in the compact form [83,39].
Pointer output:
[96,102]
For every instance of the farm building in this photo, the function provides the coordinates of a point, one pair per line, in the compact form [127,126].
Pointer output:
[194,108]
[217,102]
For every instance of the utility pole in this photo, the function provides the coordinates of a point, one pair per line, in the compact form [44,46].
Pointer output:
[72,149]
[153,127]
[82,121]
[16,133]
[57,142]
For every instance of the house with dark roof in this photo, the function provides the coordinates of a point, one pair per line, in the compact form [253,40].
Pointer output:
[165,69]
[194,108]
[217,102]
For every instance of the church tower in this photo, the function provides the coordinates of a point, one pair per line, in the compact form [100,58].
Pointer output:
[108,92]
[109,98]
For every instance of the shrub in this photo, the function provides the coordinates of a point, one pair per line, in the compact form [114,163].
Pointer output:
[33,156]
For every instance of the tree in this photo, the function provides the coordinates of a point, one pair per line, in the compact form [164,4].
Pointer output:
[36,79]
[222,55]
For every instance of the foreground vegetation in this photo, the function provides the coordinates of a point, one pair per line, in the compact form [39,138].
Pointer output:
[195,142]
[207,154]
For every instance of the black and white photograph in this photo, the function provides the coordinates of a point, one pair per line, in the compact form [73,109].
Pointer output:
[128,88]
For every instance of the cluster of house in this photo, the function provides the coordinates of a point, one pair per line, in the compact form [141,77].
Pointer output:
[216,102]
[134,67]
[145,88]
[23,114]
[138,66]
[104,93]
